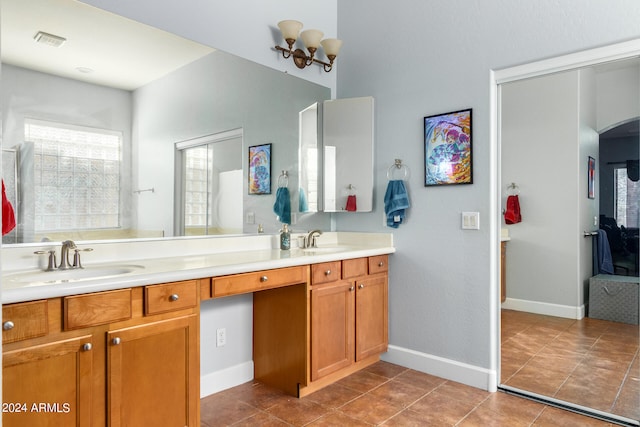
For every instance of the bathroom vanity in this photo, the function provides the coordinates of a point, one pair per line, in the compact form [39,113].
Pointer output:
[125,350]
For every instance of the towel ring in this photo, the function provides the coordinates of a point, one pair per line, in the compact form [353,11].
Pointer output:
[283,179]
[396,167]
[513,189]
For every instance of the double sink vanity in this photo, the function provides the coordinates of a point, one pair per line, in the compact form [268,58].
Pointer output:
[118,342]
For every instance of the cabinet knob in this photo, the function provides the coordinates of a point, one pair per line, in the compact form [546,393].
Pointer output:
[174,297]
[87,346]
[264,278]
[381,264]
[360,286]
[351,289]
[115,341]
[327,273]
[8,325]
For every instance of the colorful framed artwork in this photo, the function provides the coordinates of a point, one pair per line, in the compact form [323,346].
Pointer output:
[591,178]
[447,149]
[260,169]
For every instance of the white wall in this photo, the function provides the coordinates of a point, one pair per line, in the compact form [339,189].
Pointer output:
[540,154]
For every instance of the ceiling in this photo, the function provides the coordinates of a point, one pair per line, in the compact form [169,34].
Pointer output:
[109,45]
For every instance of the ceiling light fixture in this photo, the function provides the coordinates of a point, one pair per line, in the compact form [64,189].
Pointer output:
[49,39]
[312,40]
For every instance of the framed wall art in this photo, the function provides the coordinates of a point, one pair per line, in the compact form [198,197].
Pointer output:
[591,178]
[447,148]
[260,169]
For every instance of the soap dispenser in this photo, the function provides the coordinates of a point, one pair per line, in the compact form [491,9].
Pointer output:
[285,238]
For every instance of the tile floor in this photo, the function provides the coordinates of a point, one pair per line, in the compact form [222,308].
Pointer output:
[591,362]
[382,394]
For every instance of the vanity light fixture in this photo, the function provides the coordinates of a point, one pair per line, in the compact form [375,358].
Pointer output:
[312,39]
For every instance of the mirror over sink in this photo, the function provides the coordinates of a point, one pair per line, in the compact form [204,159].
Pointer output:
[119,182]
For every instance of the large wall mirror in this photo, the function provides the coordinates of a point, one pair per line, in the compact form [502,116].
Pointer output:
[558,343]
[93,105]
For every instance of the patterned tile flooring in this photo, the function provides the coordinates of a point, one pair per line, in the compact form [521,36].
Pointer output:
[591,362]
[382,394]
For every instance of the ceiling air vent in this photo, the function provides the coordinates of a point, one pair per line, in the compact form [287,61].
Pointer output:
[49,39]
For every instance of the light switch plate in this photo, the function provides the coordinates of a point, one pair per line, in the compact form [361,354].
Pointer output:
[471,220]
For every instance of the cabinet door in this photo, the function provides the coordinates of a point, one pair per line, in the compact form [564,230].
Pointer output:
[48,384]
[332,331]
[153,374]
[371,316]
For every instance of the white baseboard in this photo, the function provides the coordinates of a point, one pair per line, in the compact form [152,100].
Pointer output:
[226,378]
[474,376]
[567,311]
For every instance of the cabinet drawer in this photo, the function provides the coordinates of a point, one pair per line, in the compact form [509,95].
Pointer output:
[326,272]
[99,308]
[354,268]
[170,296]
[378,264]
[258,281]
[24,320]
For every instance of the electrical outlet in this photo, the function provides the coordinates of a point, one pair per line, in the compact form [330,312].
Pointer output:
[251,218]
[221,337]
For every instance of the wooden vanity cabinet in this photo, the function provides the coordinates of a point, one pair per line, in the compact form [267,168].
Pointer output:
[349,317]
[105,359]
[47,374]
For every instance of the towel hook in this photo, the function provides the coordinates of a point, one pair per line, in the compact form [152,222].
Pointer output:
[398,166]
[513,189]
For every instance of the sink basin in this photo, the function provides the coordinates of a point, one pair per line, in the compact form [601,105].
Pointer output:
[325,249]
[39,277]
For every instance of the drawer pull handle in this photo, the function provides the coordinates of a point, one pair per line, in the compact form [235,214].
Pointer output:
[381,264]
[264,278]
[360,286]
[327,273]
[115,341]
[87,346]
[351,289]
[174,297]
[8,325]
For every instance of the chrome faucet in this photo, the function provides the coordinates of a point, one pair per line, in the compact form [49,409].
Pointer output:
[64,255]
[310,239]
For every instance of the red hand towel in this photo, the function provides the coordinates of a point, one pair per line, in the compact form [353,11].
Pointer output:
[351,204]
[8,216]
[512,213]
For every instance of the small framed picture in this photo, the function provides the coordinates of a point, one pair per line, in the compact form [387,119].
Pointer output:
[447,149]
[591,178]
[260,169]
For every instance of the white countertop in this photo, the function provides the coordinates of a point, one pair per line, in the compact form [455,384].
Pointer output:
[219,262]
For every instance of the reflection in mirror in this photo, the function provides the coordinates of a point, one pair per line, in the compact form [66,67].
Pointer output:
[347,141]
[308,161]
[180,92]
[209,172]
[558,342]
[336,138]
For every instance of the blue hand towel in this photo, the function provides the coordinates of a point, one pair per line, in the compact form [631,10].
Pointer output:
[303,206]
[396,201]
[605,261]
[282,206]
